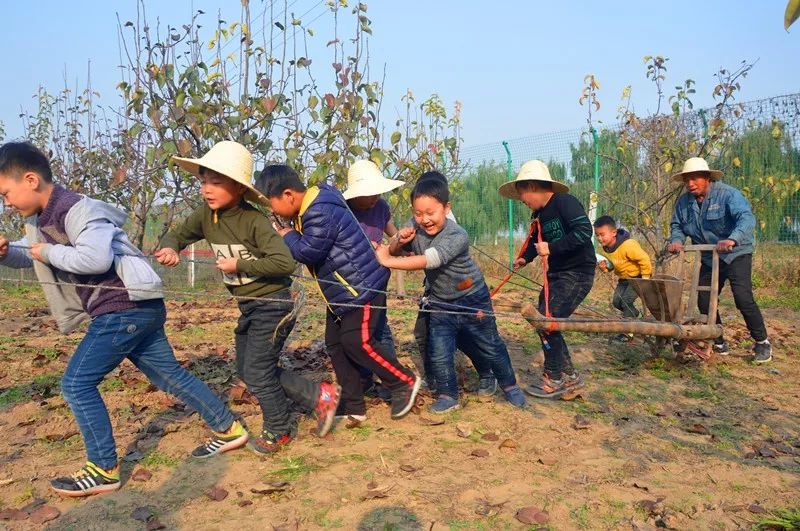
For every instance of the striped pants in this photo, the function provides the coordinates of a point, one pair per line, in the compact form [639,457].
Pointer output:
[351,341]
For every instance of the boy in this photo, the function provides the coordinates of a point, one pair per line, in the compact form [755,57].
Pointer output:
[255,265]
[627,259]
[328,239]
[566,235]
[454,282]
[78,240]
[365,186]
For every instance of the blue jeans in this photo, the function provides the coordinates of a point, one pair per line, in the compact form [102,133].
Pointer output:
[476,336]
[567,291]
[136,334]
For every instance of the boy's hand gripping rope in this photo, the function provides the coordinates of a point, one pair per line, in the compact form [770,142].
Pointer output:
[536,225]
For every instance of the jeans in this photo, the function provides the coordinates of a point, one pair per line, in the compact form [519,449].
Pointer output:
[260,335]
[475,335]
[567,291]
[625,298]
[739,274]
[352,342]
[136,334]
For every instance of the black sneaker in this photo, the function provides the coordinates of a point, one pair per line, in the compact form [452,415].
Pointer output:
[762,352]
[403,399]
[269,443]
[487,386]
[234,438]
[547,387]
[89,480]
[721,348]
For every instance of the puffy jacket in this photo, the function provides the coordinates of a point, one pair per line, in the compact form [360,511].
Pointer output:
[628,257]
[725,214]
[330,241]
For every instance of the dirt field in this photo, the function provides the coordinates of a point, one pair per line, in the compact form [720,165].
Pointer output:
[651,441]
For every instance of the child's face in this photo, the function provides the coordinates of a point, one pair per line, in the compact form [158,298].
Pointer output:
[533,196]
[605,235]
[364,202]
[220,191]
[430,214]
[22,193]
[286,205]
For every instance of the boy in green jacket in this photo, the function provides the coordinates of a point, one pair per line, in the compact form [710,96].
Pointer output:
[255,264]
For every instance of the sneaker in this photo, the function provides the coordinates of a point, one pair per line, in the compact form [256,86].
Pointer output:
[444,404]
[269,443]
[357,418]
[403,399]
[762,352]
[234,438]
[722,348]
[329,396]
[515,396]
[573,381]
[89,480]
[547,387]
[622,339]
[487,386]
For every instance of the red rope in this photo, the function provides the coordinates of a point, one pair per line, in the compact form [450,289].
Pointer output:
[537,226]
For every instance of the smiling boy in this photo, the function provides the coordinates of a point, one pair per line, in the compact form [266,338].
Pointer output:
[458,300]
[256,266]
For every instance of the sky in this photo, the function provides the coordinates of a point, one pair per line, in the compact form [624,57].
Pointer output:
[516,66]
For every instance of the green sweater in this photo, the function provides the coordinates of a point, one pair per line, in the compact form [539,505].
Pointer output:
[264,262]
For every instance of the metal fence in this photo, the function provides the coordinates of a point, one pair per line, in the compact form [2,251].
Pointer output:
[762,160]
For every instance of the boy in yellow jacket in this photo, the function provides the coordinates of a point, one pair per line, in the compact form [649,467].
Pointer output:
[623,255]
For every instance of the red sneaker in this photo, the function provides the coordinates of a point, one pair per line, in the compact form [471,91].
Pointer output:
[329,396]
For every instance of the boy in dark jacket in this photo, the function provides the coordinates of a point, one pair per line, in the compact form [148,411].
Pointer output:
[566,235]
[329,240]
[255,265]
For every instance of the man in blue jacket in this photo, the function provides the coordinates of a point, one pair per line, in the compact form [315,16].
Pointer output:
[712,212]
[329,240]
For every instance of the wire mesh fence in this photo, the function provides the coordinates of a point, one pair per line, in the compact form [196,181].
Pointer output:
[761,158]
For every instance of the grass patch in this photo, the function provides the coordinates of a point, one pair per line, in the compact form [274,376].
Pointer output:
[155,459]
[46,385]
[294,468]
[111,384]
[787,519]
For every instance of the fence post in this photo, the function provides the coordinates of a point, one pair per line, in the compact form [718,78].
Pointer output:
[594,204]
[191,266]
[510,210]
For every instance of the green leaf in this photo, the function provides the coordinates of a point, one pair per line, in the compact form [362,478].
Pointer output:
[179,99]
[396,137]
[792,13]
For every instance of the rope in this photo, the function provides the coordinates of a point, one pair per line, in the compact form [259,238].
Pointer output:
[519,255]
[465,309]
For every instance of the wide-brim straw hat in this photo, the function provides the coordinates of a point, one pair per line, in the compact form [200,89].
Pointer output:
[230,159]
[365,179]
[696,165]
[533,170]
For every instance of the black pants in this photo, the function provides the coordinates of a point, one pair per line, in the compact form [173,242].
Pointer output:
[352,342]
[567,291]
[261,332]
[739,273]
[624,299]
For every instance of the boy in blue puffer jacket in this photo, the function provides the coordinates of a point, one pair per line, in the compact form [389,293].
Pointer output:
[329,240]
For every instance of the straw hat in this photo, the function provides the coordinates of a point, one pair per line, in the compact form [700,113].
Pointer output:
[230,159]
[696,165]
[364,178]
[533,170]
